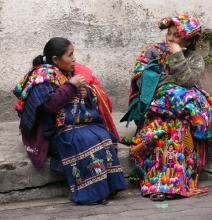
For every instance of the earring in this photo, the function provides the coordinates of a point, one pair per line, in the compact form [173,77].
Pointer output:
[44,58]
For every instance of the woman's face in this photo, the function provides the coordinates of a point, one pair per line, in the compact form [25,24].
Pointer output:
[173,36]
[66,62]
[171,148]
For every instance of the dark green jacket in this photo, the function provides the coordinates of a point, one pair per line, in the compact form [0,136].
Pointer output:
[148,82]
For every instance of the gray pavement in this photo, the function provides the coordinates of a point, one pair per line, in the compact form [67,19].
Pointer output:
[126,205]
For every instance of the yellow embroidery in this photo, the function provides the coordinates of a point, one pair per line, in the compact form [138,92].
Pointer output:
[114,169]
[95,179]
[86,153]
[90,181]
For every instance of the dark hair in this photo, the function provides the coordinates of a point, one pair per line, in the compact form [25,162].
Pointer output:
[56,46]
[193,42]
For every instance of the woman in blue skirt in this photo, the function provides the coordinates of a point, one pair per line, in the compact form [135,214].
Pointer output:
[65,112]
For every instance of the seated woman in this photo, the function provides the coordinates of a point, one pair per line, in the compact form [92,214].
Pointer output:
[171,112]
[65,112]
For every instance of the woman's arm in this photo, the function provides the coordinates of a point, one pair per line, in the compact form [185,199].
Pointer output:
[62,95]
[60,98]
[184,71]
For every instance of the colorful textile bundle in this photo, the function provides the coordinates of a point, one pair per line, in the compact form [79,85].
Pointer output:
[41,74]
[166,158]
[149,53]
[169,146]
[178,102]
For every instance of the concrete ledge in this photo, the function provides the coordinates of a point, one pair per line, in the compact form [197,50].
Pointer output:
[21,181]
[16,170]
[59,189]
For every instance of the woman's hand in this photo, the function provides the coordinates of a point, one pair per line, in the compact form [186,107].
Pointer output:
[173,47]
[78,80]
[83,92]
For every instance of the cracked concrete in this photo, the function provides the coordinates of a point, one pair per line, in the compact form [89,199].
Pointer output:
[126,205]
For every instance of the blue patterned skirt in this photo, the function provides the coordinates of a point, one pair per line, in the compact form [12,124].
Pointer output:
[90,162]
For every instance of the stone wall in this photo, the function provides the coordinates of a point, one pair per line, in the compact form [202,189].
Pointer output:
[107,36]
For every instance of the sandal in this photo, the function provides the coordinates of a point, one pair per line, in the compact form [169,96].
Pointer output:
[158,197]
[173,196]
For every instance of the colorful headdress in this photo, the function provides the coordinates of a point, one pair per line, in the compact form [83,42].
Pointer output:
[187,26]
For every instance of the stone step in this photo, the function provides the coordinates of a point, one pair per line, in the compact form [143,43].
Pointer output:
[20,180]
[17,171]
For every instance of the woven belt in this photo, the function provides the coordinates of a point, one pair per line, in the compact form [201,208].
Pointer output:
[70,127]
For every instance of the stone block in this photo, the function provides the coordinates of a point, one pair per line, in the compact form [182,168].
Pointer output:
[17,171]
